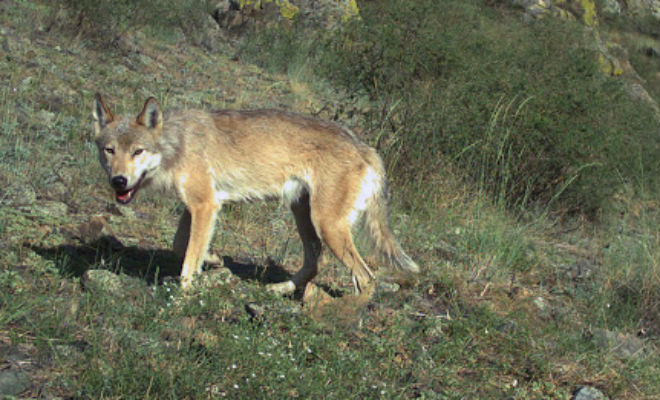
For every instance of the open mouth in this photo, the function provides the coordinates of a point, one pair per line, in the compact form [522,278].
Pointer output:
[125,196]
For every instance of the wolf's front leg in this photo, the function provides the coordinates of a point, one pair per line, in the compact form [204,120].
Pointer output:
[201,231]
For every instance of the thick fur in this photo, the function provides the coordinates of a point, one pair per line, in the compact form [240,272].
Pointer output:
[328,178]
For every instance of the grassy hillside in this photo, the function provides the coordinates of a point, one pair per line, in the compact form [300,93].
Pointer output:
[513,302]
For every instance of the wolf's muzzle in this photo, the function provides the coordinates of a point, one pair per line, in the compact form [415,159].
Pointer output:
[119,182]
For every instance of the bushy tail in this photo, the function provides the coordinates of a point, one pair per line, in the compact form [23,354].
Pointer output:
[383,240]
[378,229]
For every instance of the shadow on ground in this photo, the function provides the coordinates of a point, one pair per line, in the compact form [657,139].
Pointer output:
[152,265]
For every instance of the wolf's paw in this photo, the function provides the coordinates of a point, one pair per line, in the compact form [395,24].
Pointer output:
[213,259]
[282,288]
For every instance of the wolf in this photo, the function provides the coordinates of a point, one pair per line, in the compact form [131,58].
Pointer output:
[329,179]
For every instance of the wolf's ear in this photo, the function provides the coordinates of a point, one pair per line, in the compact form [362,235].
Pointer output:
[101,113]
[151,117]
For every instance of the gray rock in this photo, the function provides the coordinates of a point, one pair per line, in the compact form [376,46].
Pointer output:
[611,7]
[101,280]
[387,287]
[13,382]
[68,352]
[45,118]
[255,310]
[588,393]
[215,276]
[541,303]
[620,345]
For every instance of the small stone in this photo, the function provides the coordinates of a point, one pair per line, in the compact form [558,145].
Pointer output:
[387,287]
[255,310]
[45,118]
[620,345]
[94,229]
[12,382]
[102,280]
[540,303]
[215,277]
[588,393]
[68,351]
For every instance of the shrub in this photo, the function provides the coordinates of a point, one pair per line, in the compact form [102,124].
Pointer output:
[106,20]
[522,108]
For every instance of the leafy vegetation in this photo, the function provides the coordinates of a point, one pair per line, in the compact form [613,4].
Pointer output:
[529,120]
[107,21]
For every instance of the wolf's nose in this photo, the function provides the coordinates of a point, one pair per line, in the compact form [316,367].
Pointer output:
[119,182]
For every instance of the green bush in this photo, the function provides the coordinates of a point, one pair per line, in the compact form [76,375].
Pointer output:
[105,20]
[522,108]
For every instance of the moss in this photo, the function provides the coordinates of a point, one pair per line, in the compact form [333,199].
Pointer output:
[608,66]
[287,10]
[590,17]
[350,10]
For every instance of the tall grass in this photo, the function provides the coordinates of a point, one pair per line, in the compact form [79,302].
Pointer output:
[533,120]
[105,21]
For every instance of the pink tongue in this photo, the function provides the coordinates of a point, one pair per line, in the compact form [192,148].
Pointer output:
[124,196]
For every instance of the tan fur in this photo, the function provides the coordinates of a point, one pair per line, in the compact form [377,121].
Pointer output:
[325,175]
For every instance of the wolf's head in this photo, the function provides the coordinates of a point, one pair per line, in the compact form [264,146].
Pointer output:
[128,146]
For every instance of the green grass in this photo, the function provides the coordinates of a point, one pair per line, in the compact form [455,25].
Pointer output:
[535,121]
[499,311]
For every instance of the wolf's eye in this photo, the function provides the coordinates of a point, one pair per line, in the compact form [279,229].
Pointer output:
[109,150]
[137,152]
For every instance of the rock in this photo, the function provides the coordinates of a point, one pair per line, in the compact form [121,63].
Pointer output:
[261,312]
[588,393]
[620,345]
[13,382]
[210,34]
[256,311]
[611,7]
[71,352]
[228,14]
[45,118]
[101,280]
[638,92]
[340,311]
[216,276]
[541,303]
[508,327]
[387,287]
[94,229]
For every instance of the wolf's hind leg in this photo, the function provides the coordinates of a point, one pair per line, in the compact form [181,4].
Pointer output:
[339,239]
[335,230]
